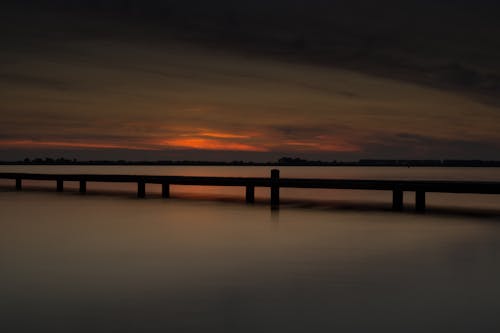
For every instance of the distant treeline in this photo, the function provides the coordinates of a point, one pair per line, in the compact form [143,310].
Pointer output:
[284,161]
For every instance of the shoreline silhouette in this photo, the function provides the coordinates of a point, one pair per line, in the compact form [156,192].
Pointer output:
[284,161]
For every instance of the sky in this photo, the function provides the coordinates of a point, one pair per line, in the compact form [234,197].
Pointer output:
[249,80]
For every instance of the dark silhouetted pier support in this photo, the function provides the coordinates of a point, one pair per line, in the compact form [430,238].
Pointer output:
[250,194]
[19,184]
[60,185]
[397,199]
[141,189]
[83,186]
[275,189]
[420,201]
[165,190]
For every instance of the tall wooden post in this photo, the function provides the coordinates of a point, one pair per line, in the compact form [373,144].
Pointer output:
[275,189]
[250,194]
[420,201]
[165,190]
[397,199]
[83,186]
[19,184]
[60,185]
[141,189]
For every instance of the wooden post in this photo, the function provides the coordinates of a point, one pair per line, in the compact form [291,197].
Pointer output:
[83,186]
[420,201]
[19,184]
[141,189]
[60,185]
[397,199]
[165,190]
[250,194]
[275,189]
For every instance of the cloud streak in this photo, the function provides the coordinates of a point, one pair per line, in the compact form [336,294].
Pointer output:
[328,78]
[37,144]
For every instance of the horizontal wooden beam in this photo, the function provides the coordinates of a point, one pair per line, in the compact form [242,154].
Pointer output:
[352,184]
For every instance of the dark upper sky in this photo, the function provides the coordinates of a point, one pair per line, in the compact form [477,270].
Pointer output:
[250,79]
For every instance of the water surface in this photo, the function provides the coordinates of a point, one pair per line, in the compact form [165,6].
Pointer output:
[113,263]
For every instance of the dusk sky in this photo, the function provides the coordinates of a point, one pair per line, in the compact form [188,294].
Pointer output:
[250,80]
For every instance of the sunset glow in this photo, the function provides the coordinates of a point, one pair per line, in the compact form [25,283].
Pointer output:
[200,141]
[210,144]
[297,93]
[221,135]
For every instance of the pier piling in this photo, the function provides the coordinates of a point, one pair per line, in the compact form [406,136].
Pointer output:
[141,189]
[250,194]
[397,199]
[275,189]
[60,185]
[165,190]
[420,201]
[19,184]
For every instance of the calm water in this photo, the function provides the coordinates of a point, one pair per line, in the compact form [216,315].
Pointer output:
[113,263]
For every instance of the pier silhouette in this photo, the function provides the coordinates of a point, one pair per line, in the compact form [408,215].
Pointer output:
[274,183]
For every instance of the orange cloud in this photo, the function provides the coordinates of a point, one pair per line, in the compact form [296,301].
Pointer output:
[221,135]
[198,138]
[209,144]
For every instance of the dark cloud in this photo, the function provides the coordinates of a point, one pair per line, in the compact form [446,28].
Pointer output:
[444,44]
[92,47]
[459,76]
[34,80]
[405,145]
[302,131]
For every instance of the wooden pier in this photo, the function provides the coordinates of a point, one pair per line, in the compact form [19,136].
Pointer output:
[398,187]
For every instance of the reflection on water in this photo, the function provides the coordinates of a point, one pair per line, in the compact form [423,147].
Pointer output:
[73,263]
